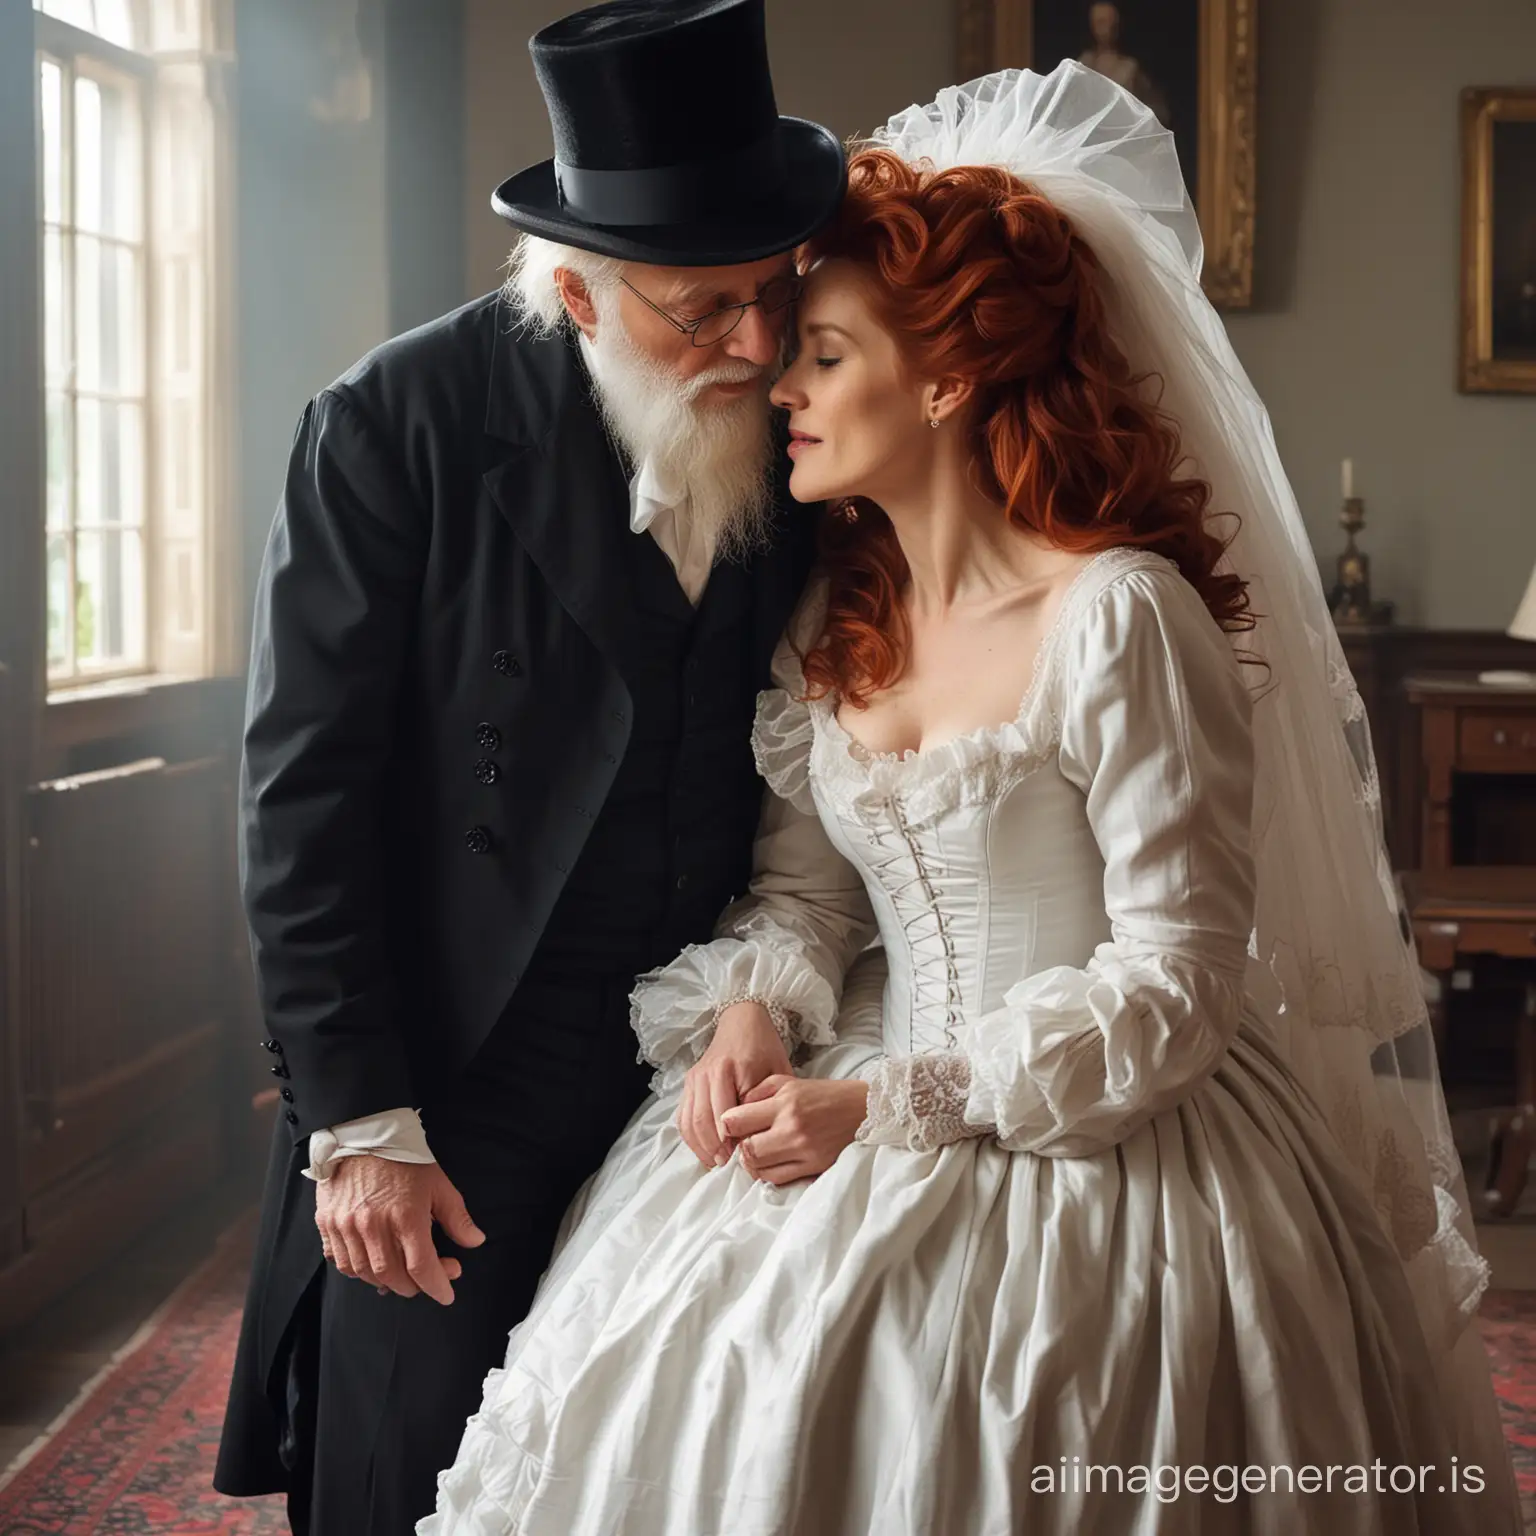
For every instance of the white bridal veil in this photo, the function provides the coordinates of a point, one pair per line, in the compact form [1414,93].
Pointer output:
[1329,961]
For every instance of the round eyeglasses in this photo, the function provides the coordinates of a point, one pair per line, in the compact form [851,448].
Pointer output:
[776,294]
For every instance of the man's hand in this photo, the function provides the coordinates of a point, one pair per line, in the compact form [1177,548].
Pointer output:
[375,1219]
[796,1127]
[746,1049]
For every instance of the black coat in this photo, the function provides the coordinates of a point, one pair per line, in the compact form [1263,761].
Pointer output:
[433,567]
[444,559]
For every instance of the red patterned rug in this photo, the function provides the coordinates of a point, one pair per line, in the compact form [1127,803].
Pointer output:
[134,1455]
[1508,1319]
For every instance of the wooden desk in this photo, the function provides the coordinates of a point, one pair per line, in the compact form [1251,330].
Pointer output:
[1474,729]
[1474,910]
[1474,893]
[1485,910]
[1381,657]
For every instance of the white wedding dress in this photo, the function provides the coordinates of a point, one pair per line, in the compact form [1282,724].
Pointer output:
[1094,1219]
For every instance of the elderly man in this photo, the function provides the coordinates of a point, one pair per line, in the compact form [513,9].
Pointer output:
[528,572]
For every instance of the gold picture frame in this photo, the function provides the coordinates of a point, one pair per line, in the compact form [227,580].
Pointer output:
[999,34]
[1498,345]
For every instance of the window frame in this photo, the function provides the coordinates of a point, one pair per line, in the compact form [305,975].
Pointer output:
[182,67]
[67,46]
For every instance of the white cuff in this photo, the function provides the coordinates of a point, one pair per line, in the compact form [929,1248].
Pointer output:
[395,1135]
[672,1009]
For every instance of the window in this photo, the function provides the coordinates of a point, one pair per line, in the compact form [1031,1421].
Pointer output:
[131,134]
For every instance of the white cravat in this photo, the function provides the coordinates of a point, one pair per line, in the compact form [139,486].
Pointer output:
[660,506]
[656,506]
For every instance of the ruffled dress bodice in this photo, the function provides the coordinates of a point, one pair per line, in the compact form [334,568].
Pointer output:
[977,855]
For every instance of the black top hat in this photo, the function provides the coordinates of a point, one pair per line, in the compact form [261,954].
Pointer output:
[669,147]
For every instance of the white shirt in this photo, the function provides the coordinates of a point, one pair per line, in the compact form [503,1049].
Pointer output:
[656,506]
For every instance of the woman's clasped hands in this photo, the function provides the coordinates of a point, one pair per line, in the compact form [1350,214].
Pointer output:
[742,1093]
[792,1128]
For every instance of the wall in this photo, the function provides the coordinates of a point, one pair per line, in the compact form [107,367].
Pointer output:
[313,276]
[423,52]
[1353,339]
[846,63]
[350,203]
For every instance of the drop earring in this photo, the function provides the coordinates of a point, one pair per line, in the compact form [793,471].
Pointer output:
[848,511]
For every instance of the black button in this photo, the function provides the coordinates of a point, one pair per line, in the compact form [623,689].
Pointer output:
[280,1070]
[287,1095]
[273,1046]
[608,757]
[292,1118]
[693,701]
[507,664]
[487,771]
[618,715]
[477,840]
[682,882]
[488,736]
[581,810]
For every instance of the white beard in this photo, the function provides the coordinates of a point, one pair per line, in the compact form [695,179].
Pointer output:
[721,453]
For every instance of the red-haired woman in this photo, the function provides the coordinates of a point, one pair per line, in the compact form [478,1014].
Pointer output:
[1111,1212]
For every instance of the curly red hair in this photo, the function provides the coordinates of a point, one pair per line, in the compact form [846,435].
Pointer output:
[985,281]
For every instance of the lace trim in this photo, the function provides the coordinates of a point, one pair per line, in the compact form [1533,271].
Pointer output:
[979,766]
[1341,684]
[1384,1008]
[1399,1190]
[1357,731]
[1408,1207]
[1467,1273]
[673,1008]
[1416,1187]
[975,769]
[786,1022]
[797,745]
[918,1102]
[782,734]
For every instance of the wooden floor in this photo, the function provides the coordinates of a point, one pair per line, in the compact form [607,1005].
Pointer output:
[44,1365]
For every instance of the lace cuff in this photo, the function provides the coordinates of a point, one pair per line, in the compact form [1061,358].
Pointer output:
[786,1022]
[918,1102]
[673,1009]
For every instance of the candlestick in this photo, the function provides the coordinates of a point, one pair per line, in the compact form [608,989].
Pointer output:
[1351,599]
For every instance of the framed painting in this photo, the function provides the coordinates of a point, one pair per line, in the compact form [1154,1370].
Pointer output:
[1498,241]
[1192,61]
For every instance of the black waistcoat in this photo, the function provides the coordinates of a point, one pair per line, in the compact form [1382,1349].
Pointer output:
[671,845]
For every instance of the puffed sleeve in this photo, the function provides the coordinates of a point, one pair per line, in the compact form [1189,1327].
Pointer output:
[1156,733]
[790,940]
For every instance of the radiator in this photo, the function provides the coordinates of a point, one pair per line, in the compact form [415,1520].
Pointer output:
[126,908]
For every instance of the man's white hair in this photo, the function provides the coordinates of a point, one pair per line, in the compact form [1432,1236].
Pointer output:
[531,289]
